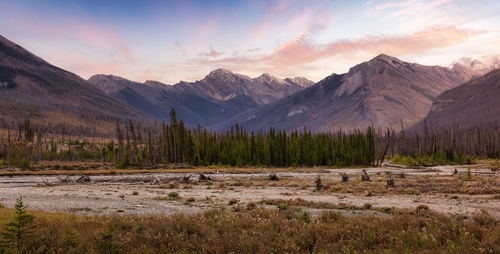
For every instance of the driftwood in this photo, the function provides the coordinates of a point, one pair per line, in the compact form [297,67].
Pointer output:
[273,177]
[204,177]
[83,179]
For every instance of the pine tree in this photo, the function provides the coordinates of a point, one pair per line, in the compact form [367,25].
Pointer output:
[20,230]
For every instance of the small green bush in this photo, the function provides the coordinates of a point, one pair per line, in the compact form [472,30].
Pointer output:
[282,206]
[174,195]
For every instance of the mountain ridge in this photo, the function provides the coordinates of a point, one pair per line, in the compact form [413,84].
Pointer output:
[381,92]
[48,95]
[471,104]
[221,95]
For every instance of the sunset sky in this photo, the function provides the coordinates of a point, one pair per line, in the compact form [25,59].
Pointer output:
[171,41]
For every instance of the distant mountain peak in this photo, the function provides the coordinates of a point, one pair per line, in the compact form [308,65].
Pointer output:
[220,72]
[478,66]
[386,58]
[301,81]
[268,77]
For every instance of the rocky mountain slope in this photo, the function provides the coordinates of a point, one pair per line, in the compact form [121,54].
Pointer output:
[32,88]
[473,103]
[382,92]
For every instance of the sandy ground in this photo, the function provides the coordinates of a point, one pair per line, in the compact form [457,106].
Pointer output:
[148,193]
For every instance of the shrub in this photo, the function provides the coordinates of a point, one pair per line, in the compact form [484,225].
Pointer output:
[174,195]
[233,201]
[282,206]
[251,206]
[105,244]
[24,164]
[135,193]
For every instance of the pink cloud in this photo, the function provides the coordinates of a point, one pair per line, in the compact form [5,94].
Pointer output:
[214,53]
[300,52]
[86,30]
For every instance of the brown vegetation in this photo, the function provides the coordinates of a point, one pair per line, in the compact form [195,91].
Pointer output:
[257,230]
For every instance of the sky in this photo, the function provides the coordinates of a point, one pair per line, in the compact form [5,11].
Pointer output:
[169,41]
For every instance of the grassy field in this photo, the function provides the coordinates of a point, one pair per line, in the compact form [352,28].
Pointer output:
[256,230]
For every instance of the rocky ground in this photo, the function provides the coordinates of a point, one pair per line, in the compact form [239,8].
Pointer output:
[440,188]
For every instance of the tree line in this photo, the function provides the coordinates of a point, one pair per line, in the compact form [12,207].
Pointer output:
[175,143]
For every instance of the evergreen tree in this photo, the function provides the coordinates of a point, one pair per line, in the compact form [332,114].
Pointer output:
[19,231]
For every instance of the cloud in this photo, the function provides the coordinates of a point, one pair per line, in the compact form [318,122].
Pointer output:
[300,51]
[81,30]
[214,54]
[394,4]
[410,7]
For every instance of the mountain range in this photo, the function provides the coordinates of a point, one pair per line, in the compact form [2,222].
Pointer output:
[382,92]
[221,95]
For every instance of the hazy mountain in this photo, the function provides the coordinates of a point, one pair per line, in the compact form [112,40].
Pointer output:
[32,88]
[477,67]
[221,95]
[473,103]
[382,92]
[222,84]
[157,99]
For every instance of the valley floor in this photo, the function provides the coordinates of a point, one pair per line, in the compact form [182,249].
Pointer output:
[470,191]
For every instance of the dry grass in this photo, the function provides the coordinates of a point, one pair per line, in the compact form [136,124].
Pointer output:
[99,168]
[420,184]
[410,185]
[258,230]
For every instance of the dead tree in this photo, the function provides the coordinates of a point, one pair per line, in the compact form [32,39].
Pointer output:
[319,185]
[345,177]
[364,176]
[390,182]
